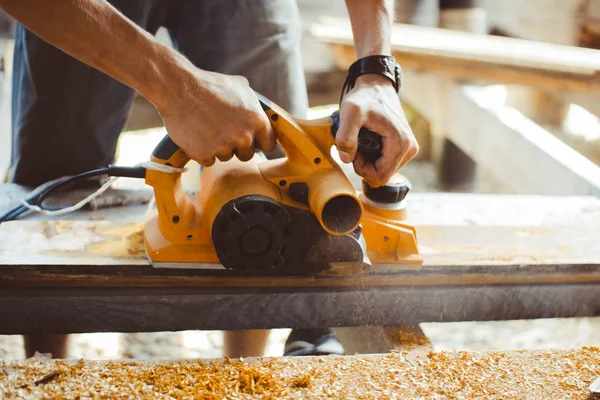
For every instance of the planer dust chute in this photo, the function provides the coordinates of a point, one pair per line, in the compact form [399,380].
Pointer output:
[295,215]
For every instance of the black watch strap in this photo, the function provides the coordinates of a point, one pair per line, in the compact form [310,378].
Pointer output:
[377,64]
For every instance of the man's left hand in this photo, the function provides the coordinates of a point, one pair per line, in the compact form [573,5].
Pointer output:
[374,104]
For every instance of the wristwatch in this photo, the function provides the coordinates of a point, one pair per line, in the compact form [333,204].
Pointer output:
[377,64]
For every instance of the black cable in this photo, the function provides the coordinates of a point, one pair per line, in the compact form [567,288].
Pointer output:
[36,199]
[31,197]
[70,181]
[112,170]
[127,172]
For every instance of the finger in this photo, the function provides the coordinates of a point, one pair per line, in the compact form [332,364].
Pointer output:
[378,174]
[368,172]
[412,152]
[241,139]
[206,161]
[391,161]
[394,149]
[346,138]
[363,168]
[245,153]
[389,127]
[265,137]
[225,156]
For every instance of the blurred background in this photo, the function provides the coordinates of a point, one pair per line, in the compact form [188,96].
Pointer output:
[441,166]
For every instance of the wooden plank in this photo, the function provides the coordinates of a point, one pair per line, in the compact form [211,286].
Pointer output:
[92,253]
[464,55]
[540,20]
[502,210]
[108,243]
[589,102]
[464,239]
[544,374]
[519,152]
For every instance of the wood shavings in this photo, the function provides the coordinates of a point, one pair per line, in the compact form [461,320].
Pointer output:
[302,382]
[48,378]
[491,375]
[407,337]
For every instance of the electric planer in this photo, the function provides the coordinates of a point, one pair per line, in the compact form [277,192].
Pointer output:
[295,215]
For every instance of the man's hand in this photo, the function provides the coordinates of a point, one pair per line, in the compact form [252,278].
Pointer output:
[217,116]
[374,104]
[208,115]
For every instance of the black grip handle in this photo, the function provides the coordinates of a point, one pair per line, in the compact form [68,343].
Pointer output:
[165,149]
[370,144]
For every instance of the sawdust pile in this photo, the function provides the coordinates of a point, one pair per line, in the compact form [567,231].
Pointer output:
[520,374]
[409,337]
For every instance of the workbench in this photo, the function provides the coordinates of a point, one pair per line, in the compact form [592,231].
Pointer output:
[486,257]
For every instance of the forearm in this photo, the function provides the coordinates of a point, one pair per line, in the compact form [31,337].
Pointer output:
[371,25]
[97,34]
[373,101]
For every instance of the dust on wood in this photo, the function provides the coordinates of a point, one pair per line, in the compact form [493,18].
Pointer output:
[72,242]
[97,243]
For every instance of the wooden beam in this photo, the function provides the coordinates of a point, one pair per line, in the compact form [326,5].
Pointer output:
[111,254]
[515,149]
[587,101]
[462,242]
[454,255]
[469,56]
[155,309]
[539,20]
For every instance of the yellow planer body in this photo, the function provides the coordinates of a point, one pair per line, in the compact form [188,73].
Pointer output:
[295,215]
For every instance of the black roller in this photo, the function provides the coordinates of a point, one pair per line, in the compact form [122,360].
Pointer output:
[248,233]
[257,234]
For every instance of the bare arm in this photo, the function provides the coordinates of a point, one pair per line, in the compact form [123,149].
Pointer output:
[373,102]
[192,102]
[97,34]
[371,25]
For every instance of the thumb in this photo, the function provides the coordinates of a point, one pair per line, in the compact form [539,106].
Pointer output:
[346,138]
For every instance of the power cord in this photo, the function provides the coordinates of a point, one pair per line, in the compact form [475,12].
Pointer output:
[35,199]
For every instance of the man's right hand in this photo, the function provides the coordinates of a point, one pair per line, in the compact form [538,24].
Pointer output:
[216,116]
[208,115]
